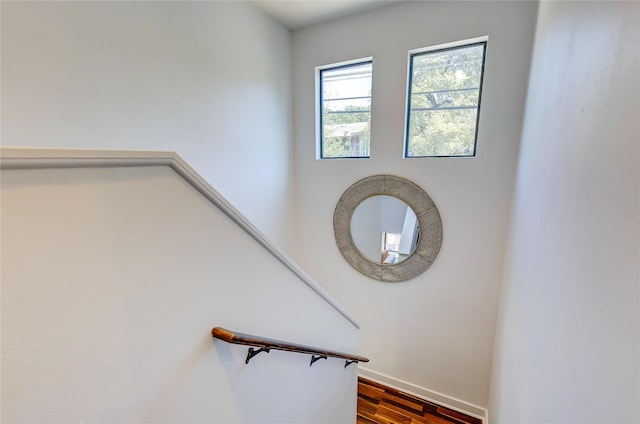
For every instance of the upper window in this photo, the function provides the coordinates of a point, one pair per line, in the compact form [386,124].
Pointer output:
[443,100]
[345,110]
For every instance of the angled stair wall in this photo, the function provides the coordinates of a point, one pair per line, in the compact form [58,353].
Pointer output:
[115,267]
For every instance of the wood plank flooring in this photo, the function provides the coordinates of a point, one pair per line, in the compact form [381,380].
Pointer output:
[379,404]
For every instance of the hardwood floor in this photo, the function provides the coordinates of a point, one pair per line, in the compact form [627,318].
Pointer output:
[380,404]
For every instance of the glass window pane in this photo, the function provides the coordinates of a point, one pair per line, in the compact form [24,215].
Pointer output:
[444,101]
[346,110]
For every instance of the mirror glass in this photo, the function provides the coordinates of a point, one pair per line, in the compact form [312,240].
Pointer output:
[385,229]
[385,215]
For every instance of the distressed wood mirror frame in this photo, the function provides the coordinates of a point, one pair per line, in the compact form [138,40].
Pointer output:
[429,242]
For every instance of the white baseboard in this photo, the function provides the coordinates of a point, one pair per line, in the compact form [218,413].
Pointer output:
[426,394]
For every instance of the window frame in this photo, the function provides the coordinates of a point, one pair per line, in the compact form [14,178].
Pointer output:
[320,100]
[484,40]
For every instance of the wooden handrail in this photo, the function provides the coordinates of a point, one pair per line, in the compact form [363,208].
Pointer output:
[266,344]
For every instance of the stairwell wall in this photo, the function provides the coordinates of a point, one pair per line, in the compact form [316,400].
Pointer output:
[568,341]
[208,80]
[435,331]
[112,279]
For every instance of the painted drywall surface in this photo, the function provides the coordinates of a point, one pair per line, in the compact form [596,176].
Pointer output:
[365,227]
[569,331]
[209,80]
[111,282]
[437,330]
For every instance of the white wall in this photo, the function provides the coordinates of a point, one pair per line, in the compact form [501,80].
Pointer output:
[568,349]
[366,228]
[436,331]
[112,279]
[209,80]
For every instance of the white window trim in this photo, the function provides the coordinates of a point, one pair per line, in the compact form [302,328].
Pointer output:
[450,45]
[453,44]
[318,115]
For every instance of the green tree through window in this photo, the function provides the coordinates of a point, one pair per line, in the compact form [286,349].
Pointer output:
[444,101]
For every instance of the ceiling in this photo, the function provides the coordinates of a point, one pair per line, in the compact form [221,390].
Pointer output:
[300,13]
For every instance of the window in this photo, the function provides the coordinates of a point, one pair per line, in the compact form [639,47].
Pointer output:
[443,99]
[345,110]
[390,247]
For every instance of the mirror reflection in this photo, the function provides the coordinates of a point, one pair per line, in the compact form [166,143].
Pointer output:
[385,229]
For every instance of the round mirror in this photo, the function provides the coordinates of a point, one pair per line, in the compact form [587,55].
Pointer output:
[385,229]
[361,221]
